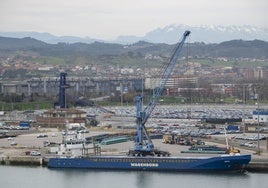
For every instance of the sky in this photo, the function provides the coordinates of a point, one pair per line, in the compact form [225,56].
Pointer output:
[108,19]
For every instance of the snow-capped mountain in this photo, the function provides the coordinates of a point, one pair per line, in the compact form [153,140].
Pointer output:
[208,34]
[169,34]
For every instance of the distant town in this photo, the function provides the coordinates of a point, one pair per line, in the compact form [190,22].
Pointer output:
[26,74]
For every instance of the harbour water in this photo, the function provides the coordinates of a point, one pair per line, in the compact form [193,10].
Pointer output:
[41,177]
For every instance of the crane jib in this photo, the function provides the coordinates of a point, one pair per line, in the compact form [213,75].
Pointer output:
[143,143]
[159,91]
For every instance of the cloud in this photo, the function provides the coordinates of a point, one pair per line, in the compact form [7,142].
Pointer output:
[108,19]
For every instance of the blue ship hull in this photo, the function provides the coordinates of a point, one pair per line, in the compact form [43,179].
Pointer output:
[220,163]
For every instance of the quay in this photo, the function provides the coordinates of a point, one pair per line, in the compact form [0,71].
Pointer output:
[23,161]
[256,165]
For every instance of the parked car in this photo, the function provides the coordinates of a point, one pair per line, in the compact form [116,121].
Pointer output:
[41,135]
[10,138]
[250,144]
[35,153]
[13,143]
[83,131]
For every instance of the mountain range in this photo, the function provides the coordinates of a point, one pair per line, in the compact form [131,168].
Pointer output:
[231,49]
[169,35]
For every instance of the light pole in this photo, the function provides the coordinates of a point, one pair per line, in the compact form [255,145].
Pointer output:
[259,151]
[121,91]
[258,111]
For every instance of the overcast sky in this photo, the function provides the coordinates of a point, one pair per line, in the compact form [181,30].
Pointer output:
[107,19]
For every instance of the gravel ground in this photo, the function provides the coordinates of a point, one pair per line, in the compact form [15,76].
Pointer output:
[29,142]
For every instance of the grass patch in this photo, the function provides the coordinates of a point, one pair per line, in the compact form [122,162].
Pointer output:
[21,106]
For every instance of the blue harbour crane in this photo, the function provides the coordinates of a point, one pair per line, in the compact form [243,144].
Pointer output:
[143,143]
[62,93]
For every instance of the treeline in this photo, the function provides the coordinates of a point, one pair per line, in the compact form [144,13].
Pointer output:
[230,49]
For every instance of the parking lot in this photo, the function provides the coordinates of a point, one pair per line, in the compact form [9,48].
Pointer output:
[163,121]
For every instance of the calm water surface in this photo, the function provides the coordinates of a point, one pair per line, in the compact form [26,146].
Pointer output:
[38,177]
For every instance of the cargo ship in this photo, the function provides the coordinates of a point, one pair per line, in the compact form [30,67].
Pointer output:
[81,154]
[206,164]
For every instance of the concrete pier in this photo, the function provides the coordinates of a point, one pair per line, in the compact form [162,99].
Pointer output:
[22,160]
[257,167]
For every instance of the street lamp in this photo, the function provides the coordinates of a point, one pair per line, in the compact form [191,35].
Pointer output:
[258,111]
[259,151]
[121,92]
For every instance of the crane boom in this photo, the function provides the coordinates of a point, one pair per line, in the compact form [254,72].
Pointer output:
[159,91]
[143,143]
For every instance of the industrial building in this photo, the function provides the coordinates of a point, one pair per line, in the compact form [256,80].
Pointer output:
[59,117]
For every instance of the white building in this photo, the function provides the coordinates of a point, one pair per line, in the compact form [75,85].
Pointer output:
[260,115]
